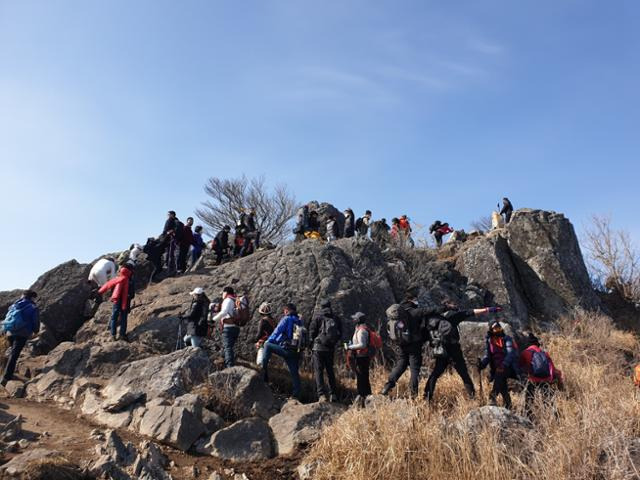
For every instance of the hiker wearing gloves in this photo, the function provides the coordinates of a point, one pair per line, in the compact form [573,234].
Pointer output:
[444,339]
[541,373]
[360,346]
[501,354]
[265,329]
[230,331]
[349,223]
[196,318]
[21,322]
[507,210]
[123,292]
[282,342]
[184,244]
[325,331]
[406,328]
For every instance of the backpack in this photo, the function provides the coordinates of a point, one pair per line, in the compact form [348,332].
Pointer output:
[300,339]
[242,313]
[440,334]
[14,321]
[540,366]
[375,341]
[398,325]
[434,226]
[329,332]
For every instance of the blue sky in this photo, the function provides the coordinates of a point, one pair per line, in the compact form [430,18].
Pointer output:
[112,113]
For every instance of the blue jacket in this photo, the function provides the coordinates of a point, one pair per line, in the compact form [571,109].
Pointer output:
[198,243]
[283,334]
[31,316]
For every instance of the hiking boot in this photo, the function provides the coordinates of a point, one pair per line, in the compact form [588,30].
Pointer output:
[333,398]
[113,338]
[385,391]
[124,338]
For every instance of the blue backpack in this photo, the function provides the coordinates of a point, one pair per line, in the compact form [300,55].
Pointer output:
[540,365]
[15,321]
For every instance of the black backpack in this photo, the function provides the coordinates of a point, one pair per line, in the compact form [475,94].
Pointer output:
[434,226]
[329,334]
[440,334]
[400,326]
[360,224]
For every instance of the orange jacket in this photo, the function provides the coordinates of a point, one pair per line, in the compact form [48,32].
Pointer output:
[120,286]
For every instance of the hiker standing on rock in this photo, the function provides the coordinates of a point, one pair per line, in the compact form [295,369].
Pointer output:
[186,240]
[444,339]
[250,232]
[282,343]
[332,229]
[169,233]
[230,331]
[21,322]
[501,354]
[362,224]
[349,223]
[265,329]
[220,244]
[325,331]
[196,318]
[360,345]
[198,245]
[507,210]
[123,292]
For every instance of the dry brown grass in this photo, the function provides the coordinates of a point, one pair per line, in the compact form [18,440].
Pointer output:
[598,417]
[54,468]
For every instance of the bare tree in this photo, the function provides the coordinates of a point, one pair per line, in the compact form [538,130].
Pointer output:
[483,224]
[228,198]
[613,259]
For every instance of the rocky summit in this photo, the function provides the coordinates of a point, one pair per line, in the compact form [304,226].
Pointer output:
[166,401]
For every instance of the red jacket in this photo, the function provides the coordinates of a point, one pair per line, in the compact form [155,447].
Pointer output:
[187,237]
[525,364]
[120,286]
[404,225]
[444,230]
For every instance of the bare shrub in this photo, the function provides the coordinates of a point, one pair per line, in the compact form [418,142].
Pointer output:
[612,258]
[229,197]
[482,224]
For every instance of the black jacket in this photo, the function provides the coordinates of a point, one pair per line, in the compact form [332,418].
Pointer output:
[506,206]
[222,240]
[196,317]
[169,225]
[265,328]
[314,224]
[248,223]
[349,225]
[315,330]
[455,318]
[418,317]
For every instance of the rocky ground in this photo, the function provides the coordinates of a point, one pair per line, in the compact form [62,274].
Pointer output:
[105,409]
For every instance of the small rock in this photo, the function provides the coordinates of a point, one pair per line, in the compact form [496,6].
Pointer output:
[215,476]
[15,389]
[240,476]
[23,443]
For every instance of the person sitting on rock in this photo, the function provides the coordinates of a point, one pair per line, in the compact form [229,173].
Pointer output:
[102,271]
[281,342]
[313,228]
[198,245]
[507,210]
[360,347]
[21,323]
[196,318]
[541,374]
[230,331]
[362,224]
[220,244]
[349,223]
[444,339]
[121,298]
[442,230]
[325,331]
[332,229]
[265,329]
[501,354]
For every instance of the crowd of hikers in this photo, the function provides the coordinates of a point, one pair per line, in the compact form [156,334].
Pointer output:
[409,325]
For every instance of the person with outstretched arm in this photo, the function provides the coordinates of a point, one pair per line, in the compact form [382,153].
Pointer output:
[444,338]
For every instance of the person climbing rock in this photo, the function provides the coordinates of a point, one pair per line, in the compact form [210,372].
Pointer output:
[121,297]
[196,318]
[444,339]
[507,210]
[325,332]
[102,271]
[265,329]
[501,354]
[21,322]
[281,342]
[439,230]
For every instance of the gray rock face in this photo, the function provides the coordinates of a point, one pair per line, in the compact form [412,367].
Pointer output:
[247,440]
[549,263]
[297,425]
[17,465]
[325,210]
[175,426]
[495,418]
[62,295]
[7,299]
[244,389]
[166,376]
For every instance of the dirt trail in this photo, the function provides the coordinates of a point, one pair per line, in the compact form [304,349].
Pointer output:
[71,436]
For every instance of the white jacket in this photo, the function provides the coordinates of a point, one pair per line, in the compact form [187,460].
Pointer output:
[227,310]
[103,271]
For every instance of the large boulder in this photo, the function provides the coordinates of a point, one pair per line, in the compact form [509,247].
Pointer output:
[166,376]
[297,425]
[173,425]
[244,390]
[325,210]
[547,257]
[62,295]
[247,440]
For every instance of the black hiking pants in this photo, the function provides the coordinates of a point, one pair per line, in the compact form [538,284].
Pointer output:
[17,344]
[183,253]
[323,361]
[410,356]
[453,355]
[500,387]
[362,376]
